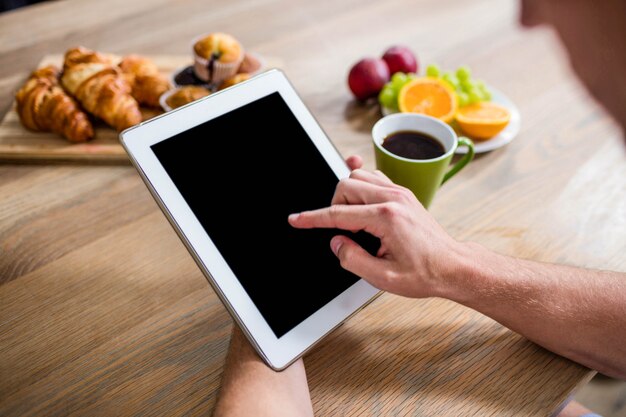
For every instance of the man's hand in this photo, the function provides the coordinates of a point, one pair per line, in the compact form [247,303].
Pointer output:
[577,313]
[415,253]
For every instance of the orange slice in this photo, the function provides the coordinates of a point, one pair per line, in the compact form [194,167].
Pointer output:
[429,96]
[482,120]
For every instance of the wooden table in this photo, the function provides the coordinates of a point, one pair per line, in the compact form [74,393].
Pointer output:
[103,311]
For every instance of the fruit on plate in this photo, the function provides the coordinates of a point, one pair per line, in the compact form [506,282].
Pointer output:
[400,59]
[367,77]
[469,90]
[388,96]
[482,120]
[429,96]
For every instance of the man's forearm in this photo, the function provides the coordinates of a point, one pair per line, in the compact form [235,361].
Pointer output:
[577,313]
[251,388]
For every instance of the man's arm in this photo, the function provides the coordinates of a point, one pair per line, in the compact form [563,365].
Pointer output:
[577,313]
[251,388]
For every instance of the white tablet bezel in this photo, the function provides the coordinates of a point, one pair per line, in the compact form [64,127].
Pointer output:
[277,352]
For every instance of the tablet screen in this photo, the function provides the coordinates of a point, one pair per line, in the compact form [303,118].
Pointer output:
[242,174]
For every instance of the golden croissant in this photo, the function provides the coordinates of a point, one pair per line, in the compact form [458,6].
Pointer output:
[100,87]
[147,83]
[43,105]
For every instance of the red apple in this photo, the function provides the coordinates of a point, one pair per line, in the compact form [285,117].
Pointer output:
[367,77]
[400,59]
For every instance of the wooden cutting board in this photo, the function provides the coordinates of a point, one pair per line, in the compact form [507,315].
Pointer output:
[19,144]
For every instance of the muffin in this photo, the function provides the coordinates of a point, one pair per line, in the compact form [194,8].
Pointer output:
[235,79]
[183,95]
[217,56]
[251,64]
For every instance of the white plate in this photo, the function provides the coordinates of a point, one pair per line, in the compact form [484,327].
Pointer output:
[163,99]
[507,135]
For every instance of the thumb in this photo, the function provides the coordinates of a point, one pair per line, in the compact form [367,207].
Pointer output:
[357,260]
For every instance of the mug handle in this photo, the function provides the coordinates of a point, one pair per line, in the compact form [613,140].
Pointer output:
[463,161]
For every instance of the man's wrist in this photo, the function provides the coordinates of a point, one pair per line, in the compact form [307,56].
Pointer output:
[240,346]
[465,273]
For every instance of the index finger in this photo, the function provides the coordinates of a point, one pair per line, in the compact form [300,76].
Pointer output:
[340,216]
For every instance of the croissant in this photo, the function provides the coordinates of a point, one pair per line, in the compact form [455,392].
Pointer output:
[82,55]
[98,84]
[43,105]
[147,83]
[138,65]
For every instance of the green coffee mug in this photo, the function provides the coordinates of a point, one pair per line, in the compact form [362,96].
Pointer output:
[422,176]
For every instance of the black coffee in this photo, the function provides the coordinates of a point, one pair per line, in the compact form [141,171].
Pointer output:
[413,145]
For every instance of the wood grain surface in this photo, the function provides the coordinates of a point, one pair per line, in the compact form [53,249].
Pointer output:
[103,312]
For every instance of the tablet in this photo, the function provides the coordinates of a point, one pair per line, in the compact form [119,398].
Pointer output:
[227,171]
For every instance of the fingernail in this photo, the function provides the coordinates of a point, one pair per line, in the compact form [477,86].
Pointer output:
[293,217]
[335,245]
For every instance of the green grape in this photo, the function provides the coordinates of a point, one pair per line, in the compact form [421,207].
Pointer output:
[388,97]
[399,77]
[484,91]
[464,73]
[467,85]
[474,96]
[398,80]
[433,70]
[483,95]
[464,99]
[411,76]
[451,79]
